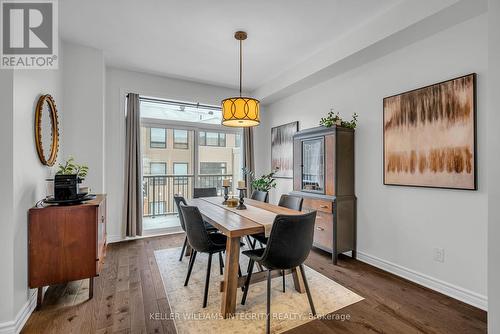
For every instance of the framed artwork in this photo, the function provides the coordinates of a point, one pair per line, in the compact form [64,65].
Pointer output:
[430,136]
[282,149]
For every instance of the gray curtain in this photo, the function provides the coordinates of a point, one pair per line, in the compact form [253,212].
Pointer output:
[133,173]
[248,155]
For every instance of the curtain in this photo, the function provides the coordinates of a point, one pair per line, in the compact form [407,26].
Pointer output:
[133,173]
[248,156]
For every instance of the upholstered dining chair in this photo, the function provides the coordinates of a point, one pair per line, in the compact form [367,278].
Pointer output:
[201,242]
[258,195]
[204,192]
[178,200]
[296,230]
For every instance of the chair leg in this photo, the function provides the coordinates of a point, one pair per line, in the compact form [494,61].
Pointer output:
[183,248]
[247,281]
[191,263]
[221,263]
[207,280]
[268,318]
[283,274]
[239,275]
[307,289]
[250,245]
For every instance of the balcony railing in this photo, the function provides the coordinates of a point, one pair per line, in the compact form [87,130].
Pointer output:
[159,190]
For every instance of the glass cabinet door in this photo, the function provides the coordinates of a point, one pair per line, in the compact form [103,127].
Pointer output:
[313,165]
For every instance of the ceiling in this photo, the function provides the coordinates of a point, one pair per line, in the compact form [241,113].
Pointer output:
[193,39]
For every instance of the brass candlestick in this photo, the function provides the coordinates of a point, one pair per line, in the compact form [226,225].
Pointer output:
[226,196]
[241,206]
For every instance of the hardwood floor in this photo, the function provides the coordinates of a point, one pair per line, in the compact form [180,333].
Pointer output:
[130,288]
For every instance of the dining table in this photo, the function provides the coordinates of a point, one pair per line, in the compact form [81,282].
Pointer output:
[236,224]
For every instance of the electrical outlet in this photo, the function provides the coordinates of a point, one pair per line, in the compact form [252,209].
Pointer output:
[439,255]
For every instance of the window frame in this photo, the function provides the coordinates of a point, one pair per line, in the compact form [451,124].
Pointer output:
[221,138]
[181,145]
[164,143]
[157,162]
[184,178]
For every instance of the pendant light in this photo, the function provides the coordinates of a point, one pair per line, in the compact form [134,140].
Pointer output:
[240,111]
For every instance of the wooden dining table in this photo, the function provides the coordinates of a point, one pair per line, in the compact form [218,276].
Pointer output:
[236,224]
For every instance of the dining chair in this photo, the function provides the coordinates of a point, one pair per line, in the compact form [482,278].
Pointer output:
[178,200]
[204,192]
[288,246]
[201,242]
[286,201]
[259,195]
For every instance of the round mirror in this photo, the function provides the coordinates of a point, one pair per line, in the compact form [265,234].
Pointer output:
[46,130]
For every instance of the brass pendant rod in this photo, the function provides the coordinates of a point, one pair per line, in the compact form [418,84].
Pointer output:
[241,68]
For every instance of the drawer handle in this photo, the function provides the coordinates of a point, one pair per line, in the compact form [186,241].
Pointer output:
[320,228]
[324,206]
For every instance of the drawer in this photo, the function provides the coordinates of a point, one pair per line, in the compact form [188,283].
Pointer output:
[317,204]
[323,231]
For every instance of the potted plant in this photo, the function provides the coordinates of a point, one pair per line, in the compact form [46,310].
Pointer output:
[334,119]
[70,167]
[262,183]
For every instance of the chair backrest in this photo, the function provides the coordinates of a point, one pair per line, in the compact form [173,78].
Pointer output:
[260,195]
[204,192]
[291,202]
[290,241]
[178,200]
[195,228]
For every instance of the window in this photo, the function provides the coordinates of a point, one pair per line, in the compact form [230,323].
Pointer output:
[158,168]
[218,168]
[181,139]
[212,139]
[237,140]
[180,168]
[158,138]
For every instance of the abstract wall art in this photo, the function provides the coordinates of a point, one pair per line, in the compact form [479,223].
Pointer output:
[430,136]
[282,149]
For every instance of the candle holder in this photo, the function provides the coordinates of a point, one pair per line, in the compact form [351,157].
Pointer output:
[241,206]
[226,196]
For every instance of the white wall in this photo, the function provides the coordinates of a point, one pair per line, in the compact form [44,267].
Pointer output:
[84,122]
[398,227]
[494,169]
[6,198]
[118,84]
[29,173]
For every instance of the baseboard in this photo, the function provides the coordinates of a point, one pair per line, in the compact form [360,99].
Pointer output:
[464,295]
[16,325]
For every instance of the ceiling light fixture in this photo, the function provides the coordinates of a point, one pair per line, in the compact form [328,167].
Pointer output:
[240,111]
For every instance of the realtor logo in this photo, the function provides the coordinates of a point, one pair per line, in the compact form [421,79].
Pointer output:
[29,34]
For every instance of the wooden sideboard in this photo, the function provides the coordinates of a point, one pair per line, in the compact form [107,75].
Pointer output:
[66,243]
[323,175]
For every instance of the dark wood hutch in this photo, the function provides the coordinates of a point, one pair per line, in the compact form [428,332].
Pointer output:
[323,175]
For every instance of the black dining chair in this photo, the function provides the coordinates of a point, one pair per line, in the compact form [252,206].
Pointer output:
[204,192]
[203,242]
[288,246]
[286,201]
[259,195]
[178,200]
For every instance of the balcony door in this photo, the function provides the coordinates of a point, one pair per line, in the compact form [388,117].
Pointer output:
[183,146]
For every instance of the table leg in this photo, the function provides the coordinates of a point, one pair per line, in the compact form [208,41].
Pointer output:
[228,306]
[297,280]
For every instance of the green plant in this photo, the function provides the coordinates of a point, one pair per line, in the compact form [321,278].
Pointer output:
[263,183]
[334,119]
[71,167]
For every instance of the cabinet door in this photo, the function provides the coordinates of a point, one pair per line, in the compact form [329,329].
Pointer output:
[313,165]
[323,231]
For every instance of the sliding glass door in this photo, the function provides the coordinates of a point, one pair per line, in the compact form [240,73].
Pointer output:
[183,146]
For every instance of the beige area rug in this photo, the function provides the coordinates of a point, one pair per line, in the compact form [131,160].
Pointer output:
[289,309]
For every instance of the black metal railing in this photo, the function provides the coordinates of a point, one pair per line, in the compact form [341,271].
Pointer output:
[159,190]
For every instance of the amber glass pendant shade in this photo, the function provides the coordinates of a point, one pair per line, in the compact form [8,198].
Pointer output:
[240,112]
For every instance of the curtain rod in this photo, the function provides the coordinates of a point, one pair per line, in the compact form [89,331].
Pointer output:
[187,104]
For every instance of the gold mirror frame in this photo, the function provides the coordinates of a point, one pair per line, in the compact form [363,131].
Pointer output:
[54,147]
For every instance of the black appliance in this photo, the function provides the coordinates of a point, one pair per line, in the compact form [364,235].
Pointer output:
[66,187]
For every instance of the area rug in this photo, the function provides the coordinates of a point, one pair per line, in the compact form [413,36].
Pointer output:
[289,309]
